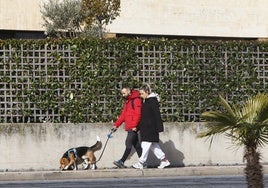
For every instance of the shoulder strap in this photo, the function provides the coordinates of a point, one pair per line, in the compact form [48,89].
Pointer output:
[132,103]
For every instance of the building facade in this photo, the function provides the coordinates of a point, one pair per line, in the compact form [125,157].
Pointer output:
[195,18]
[206,18]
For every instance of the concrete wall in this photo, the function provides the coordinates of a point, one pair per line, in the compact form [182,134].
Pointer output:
[39,146]
[232,18]
[20,15]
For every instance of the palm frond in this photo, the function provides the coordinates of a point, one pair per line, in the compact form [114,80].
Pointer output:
[227,106]
[216,116]
[245,124]
[262,112]
[219,122]
[214,128]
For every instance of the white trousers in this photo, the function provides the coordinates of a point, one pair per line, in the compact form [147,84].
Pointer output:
[154,147]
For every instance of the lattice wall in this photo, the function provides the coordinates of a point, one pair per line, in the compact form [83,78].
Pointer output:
[28,65]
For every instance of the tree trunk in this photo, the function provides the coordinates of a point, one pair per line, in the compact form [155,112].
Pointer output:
[253,170]
[100,28]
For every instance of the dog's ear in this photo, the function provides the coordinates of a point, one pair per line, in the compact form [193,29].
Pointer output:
[63,162]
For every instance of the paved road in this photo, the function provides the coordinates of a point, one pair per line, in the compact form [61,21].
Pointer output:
[156,182]
[187,177]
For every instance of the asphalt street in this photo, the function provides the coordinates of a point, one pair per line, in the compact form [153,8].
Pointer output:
[235,181]
[125,173]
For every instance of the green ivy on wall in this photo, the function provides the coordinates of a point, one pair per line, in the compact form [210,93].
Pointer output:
[78,80]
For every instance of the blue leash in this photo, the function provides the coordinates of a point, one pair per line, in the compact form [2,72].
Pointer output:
[108,137]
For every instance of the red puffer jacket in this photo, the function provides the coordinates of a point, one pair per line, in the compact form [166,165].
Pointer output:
[131,112]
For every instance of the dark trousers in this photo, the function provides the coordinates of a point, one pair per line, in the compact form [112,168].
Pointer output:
[131,140]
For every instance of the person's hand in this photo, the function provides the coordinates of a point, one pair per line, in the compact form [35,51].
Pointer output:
[114,129]
[134,129]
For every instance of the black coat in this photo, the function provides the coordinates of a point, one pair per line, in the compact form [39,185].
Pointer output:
[151,122]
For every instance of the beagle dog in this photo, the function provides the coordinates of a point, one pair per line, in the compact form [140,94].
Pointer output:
[80,155]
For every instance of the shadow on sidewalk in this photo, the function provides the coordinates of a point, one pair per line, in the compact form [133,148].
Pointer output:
[174,156]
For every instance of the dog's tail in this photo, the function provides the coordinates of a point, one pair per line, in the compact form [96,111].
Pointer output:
[98,145]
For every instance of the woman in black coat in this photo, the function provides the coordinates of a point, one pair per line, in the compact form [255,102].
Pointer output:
[150,125]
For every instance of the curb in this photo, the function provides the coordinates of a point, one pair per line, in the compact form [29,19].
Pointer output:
[124,173]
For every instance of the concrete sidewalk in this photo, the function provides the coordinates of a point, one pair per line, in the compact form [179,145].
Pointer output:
[124,173]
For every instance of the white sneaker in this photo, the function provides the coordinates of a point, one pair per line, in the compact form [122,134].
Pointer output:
[138,166]
[164,164]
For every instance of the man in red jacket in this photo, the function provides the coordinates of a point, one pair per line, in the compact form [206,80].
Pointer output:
[130,115]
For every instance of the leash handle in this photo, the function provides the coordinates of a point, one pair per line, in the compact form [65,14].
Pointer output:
[112,131]
[109,135]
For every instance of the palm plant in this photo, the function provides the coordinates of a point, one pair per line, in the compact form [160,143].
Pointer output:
[247,125]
